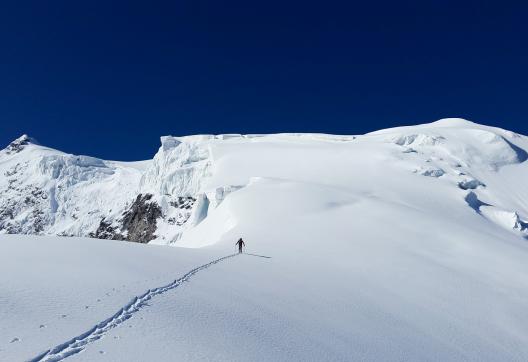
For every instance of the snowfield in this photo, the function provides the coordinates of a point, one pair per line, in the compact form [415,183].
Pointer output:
[405,244]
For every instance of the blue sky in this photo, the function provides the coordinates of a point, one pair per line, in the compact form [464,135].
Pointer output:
[109,78]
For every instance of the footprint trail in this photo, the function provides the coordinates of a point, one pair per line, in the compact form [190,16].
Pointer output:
[79,343]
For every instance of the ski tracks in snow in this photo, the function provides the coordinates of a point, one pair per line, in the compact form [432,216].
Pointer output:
[79,343]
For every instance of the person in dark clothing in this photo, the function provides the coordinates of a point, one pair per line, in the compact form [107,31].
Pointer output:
[240,244]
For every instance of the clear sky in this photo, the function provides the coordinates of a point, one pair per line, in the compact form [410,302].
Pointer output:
[109,78]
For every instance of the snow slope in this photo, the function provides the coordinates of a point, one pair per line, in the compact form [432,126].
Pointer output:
[403,244]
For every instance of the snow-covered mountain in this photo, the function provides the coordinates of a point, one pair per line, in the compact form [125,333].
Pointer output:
[45,191]
[48,192]
[406,244]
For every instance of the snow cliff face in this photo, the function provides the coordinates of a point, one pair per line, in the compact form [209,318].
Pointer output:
[176,197]
[45,191]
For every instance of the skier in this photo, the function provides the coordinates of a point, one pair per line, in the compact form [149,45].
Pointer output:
[240,244]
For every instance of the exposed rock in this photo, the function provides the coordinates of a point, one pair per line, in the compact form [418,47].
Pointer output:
[183,202]
[107,231]
[139,222]
[432,172]
[470,184]
[19,144]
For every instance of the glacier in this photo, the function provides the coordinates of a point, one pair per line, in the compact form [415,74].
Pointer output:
[407,243]
[48,192]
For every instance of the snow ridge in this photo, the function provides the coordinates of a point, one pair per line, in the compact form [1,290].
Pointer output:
[165,199]
[79,343]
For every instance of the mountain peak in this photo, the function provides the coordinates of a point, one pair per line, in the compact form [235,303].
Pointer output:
[19,144]
[453,122]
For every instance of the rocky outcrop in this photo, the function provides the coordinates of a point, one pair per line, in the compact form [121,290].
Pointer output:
[107,231]
[138,223]
[183,206]
[19,144]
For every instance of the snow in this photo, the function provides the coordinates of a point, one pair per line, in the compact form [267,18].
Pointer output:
[357,249]
[73,190]
[56,287]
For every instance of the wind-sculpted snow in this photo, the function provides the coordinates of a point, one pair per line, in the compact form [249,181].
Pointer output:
[418,140]
[509,220]
[473,147]
[179,167]
[73,169]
